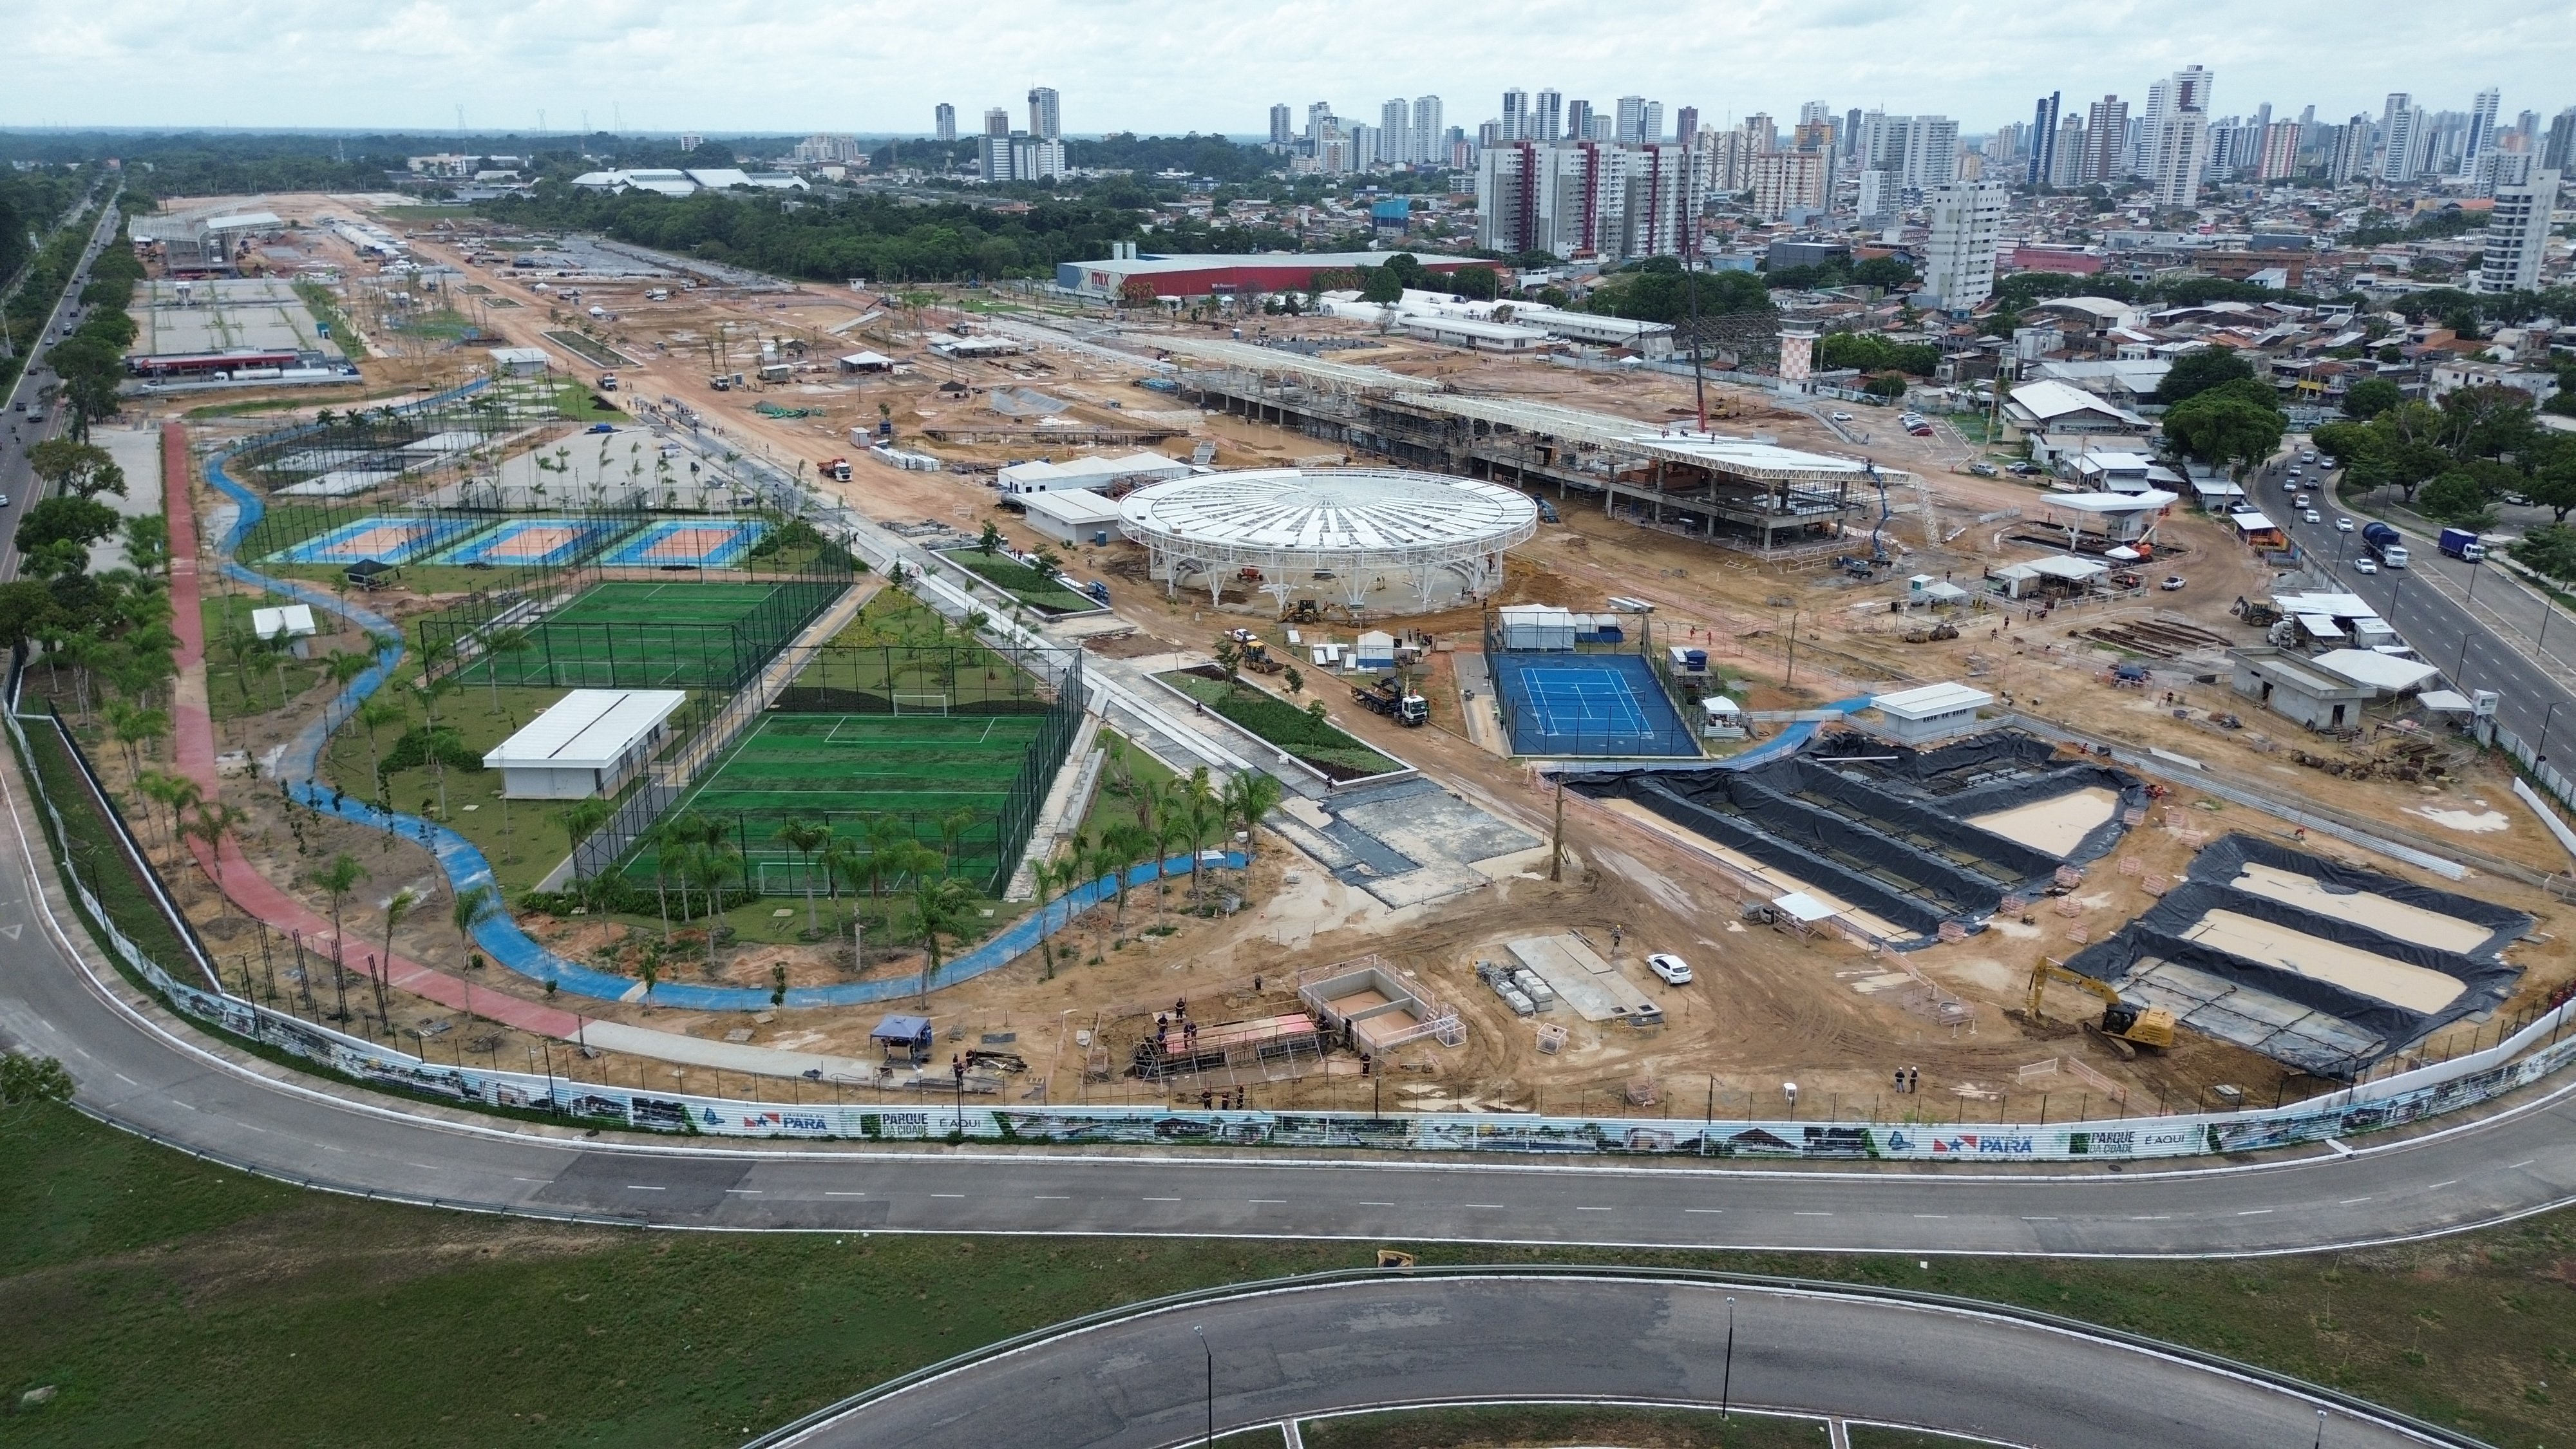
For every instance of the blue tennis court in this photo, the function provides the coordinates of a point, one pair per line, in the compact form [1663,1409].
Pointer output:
[689,543]
[1588,704]
[534,542]
[387,540]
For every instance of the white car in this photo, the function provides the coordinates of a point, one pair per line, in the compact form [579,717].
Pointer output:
[1842,417]
[2365,565]
[1673,969]
[2310,516]
[2343,525]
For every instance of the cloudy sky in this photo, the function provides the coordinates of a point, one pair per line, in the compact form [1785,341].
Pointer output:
[1170,66]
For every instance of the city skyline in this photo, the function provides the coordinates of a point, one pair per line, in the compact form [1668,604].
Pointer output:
[515,68]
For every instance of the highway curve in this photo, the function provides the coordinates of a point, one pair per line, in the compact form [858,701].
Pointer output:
[1139,1380]
[140,1069]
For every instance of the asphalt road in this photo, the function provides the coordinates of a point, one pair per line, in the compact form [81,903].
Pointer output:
[1143,1382]
[164,1082]
[39,421]
[2480,627]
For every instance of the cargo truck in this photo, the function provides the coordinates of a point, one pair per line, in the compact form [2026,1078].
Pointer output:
[1393,700]
[2386,544]
[2462,544]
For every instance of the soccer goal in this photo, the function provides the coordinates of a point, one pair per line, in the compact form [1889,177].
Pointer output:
[920,703]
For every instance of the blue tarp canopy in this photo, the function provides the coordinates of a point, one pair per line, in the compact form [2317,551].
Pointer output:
[903,1031]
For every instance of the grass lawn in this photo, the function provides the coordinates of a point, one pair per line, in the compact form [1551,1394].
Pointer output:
[1020,581]
[1286,725]
[91,839]
[172,1301]
[242,676]
[588,349]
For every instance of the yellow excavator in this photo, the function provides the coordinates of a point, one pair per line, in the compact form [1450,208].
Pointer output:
[2123,1023]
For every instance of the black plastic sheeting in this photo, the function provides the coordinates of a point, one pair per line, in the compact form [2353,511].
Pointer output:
[2486,978]
[1888,835]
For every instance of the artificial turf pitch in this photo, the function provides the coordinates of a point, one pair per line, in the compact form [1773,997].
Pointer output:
[641,636]
[840,769]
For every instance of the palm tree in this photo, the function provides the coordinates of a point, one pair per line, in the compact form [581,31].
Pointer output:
[579,819]
[1173,829]
[155,786]
[952,828]
[507,641]
[473,905]
[1122,845]
[1203,816]
[374,715]
[844,863]
[344,665]
[132,726]
[660,840]
[1046,876]
[1248,798]
[710,866]
[938,906]
[806,837]
[338,879]
[212,822]
[395,909]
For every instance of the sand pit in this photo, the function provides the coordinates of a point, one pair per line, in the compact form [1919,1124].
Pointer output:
[2056,825]
[2412,987]
[2379,913]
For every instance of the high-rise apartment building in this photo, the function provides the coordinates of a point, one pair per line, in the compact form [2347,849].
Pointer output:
[1547,114]
[2040,165]
[943,121]
[1046,118]
[2348,151]
[1395,132]
[2518,235]
[1632,119]
[1650,121]
[1724,160]
[2481,137]
[1851,132]
[2106,137]
[1578,120]
[2558,148]
[1685,125]
[1283,127]
[1367,147]
[1785,183]
[997,122]
[2280,154]
[1516,118]
[1966,218]
[1761,134]
[2066,154]
[1585,198]
[2402,138]
[1430,137]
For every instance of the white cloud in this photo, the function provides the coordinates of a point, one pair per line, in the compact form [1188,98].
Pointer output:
[1163,65]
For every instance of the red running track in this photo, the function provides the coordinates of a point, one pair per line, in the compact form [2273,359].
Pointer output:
[193,735]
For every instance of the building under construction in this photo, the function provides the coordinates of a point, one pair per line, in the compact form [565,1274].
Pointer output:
[1737,492]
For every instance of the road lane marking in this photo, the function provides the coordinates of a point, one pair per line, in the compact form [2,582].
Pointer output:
[1162,1199]
[423,1166]
[1943,1216]
[1703,1210]
[2339,1149]
[827,1192]
[2526,1162]
[327,1147]
[175,1102]
[948,1194]
[1493,1205]
[744,1191]
[1272,1201]
[2160,1218]
[1814,1215]
[2038,1220]
[2253,1212]
[1049,1197]
[1377,1204]
[129,1081]
[2347,1202]
[527,1179]
[644,1187]
[2450,1182]
[1591,1210]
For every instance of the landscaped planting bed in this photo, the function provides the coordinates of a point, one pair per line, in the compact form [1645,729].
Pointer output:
[1316,741]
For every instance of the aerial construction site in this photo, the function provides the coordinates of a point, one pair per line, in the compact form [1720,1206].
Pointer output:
[1645,746]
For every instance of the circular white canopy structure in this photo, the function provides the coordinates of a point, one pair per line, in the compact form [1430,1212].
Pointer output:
[1348,529]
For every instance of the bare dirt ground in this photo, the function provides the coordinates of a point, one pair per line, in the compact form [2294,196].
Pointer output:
[1767,1007]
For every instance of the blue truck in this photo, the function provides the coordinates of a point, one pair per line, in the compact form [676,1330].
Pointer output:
[2462,544]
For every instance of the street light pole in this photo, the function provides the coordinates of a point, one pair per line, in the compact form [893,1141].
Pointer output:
[1211,1383]
[2540,752]
[1726,1385]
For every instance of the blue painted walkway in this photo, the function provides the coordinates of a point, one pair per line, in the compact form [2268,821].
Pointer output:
[465,868]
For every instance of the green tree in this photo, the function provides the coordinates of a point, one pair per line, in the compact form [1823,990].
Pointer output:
[938,909]
[81,470]
[68,526]
[2223,430]
[2456,497]
[26,1081]
[805,837]
[1248,798]
[2199,370]
[400,906]
[2370,397]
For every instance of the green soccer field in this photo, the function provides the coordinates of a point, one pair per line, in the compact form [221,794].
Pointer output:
[633,635]
[841,769]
